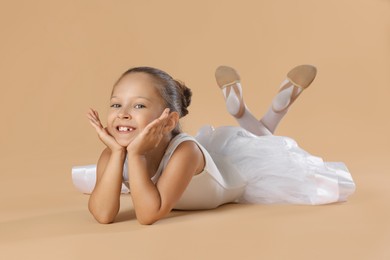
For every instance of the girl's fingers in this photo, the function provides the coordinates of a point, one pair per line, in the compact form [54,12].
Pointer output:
[160,122]
[155,125]
[164,119]
[164,115]
[94,123]
[98,119]
[97,115]
[97,129]
[93,115]
[92,112]
[102,132]
[93,120]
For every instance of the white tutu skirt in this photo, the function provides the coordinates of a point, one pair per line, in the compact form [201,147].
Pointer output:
[275,169]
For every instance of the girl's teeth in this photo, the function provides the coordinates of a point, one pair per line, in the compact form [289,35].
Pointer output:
[122,128]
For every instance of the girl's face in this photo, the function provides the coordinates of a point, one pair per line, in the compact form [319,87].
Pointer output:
[135,102]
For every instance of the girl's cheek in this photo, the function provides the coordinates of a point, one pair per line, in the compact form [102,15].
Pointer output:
[110,130]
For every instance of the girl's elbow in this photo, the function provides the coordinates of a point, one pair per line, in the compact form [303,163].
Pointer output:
[102,217]
[146,220]
[149,217]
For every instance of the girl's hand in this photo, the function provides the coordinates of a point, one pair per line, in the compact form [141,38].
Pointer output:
[102,132]
[150,137]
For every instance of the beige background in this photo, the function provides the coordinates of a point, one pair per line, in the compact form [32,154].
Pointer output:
[57,58]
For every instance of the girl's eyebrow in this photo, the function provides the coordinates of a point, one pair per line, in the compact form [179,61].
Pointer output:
[135,97]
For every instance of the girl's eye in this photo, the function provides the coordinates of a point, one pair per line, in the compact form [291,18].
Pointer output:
[138,106]
[115,105]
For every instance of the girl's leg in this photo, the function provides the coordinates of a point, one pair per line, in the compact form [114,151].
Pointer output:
[228,80]
[298,79]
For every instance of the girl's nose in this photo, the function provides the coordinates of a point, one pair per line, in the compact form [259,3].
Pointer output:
[124,114]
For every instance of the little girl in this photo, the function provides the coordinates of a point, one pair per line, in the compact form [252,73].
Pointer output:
[166,169]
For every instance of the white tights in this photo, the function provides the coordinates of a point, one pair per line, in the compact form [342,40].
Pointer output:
[269,122]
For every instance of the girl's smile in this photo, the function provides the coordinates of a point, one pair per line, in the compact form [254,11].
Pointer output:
[125,129]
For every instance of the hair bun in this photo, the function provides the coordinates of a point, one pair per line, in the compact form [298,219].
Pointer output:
[186,95]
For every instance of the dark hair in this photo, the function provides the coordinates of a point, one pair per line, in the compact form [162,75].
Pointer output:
[176,95]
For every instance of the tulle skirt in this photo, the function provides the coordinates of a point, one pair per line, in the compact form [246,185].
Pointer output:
[275,168]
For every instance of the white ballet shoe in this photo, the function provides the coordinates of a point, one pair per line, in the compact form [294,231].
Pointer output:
[298,79]
[228,78]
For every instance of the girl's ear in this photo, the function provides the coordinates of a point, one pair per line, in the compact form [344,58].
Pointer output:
[173,120]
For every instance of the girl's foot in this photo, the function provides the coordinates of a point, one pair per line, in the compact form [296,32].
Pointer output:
[229,82]
[298,79]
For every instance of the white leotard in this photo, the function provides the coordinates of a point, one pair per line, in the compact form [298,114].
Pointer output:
[208,189]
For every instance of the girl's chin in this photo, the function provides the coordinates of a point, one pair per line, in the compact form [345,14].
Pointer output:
[123,142]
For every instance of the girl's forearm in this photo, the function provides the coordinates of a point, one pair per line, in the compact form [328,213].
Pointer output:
[145,195]
[104,201]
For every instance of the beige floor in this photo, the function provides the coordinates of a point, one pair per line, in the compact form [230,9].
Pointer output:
[57,58]
[51,221]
